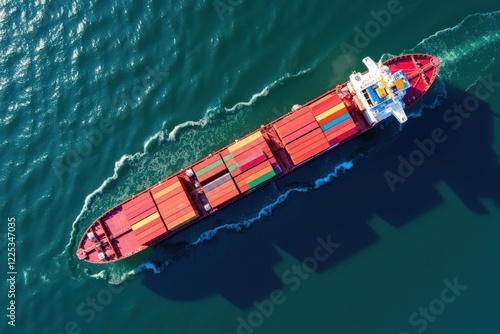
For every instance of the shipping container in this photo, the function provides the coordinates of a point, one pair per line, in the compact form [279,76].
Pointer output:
[136,200]
[169,209]
[178,214]
[215,199]
[335,121]
[214,184]
[309,154]
[215,202]
[181,221]
[251,160]
[151,232]
[163,185]
[252,171]
[214,172]
[171,189]
[341,131]
[290,117]
[299,133]
[261,178]
[152,237]
[295,125]
[249,148]
[344,136]
[144,203]
[331,114]
[138,209]
[205,163]
[314,147]
[208,168]
[304,139]
[255,136]
[144,235]
[325,103]
[154,222]
[145,221]
[142,215]
[347,123]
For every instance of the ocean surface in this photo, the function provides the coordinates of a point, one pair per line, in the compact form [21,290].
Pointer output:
[101,99]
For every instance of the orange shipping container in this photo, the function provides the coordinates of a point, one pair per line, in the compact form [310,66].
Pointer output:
[181,221]
[304,140]
[306,155]
[168,183]
[157,221]
[325,103]
[312,145]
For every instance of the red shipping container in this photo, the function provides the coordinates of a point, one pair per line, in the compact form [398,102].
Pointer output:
[304,139]
[311,142]
[299,133]
[348,134]
[168,196]
[223,199]
[333,116]
[178,214]
[220,188]
[296,124]
[314,142]
[306,155]
[137,210]
[341,131]
[253,146]
[325,103]
[207,162]
[181,221]
[252,171]
[150,230]
[347,122]
[217,182]
[136,201]
[157,221]
[242,186]
[291,116]
[142,216]
[294,120]
[228,187]
[252,160]
[165,184]
[169,210]
[212,173]
[153,236]
[167,193]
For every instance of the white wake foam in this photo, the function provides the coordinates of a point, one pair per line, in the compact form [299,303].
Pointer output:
[265,91]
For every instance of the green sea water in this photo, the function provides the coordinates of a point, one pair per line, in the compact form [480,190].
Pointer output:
[395,232]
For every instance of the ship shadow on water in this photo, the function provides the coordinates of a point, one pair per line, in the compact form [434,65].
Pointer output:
[241,266]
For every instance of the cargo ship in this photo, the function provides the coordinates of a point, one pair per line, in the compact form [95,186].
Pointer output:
[384,90]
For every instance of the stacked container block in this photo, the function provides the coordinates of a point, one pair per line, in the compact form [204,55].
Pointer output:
[144,218]
[174,204]
[335,121]
[250,161]
[221,190]
[301,134]
[209,168]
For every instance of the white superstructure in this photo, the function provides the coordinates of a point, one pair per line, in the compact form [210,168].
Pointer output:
[380,92]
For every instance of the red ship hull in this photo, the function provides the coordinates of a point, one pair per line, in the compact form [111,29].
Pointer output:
[236,170]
